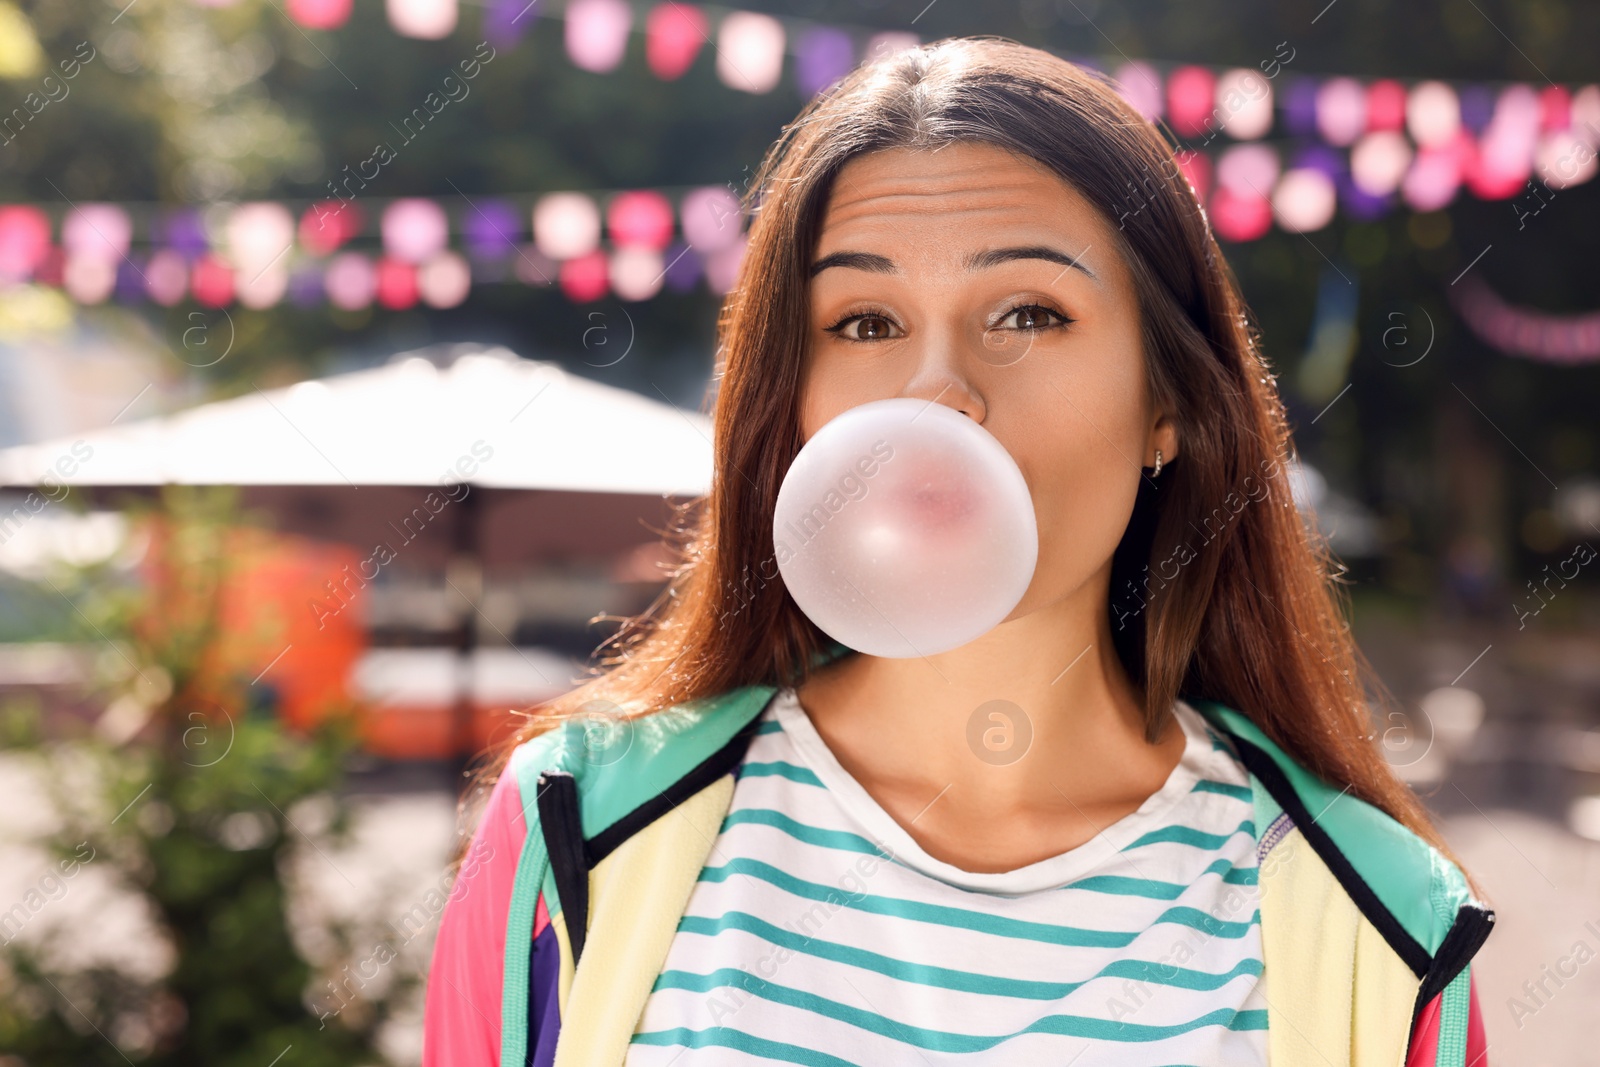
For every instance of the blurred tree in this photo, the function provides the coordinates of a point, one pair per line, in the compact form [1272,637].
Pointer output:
[190,795]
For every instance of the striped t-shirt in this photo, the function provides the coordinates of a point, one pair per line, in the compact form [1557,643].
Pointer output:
[821,933]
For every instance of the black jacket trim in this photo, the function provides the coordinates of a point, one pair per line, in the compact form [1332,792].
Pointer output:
[563,839]
[714,766]
[1467,934]
[1271,775]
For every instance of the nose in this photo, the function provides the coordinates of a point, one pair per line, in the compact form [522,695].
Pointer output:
[941,379]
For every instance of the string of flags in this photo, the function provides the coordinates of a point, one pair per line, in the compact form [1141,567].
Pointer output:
[634,243]
[1263,147]
[631,243]
[1421,139]
[750,49]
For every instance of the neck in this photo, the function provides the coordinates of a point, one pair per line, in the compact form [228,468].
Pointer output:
[1036,718]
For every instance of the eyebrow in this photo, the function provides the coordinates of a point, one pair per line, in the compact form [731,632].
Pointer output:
[866,261]
[996,256]
[876,264]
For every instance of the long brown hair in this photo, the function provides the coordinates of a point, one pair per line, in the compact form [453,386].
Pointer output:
[1252,617]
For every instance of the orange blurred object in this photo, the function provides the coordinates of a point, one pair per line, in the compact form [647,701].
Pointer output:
[428,730]
[291,624]
[268,631]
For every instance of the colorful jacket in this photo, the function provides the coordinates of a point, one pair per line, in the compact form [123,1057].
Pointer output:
[585,856]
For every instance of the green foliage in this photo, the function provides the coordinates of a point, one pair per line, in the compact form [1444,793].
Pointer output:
[195,811]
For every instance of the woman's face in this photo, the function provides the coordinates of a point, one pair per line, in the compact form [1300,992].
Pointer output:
[973,278]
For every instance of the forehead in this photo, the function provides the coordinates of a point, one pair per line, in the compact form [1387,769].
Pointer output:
[940,204]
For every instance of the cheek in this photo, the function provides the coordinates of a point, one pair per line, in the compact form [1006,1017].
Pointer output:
[1084,490]
[820,396]
[815,411]
[1081,457]
[831,386]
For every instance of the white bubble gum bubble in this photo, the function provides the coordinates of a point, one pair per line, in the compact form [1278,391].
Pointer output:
[903,528]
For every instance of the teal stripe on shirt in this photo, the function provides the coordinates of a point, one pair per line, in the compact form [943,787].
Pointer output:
[727,1037]
[811,835]
[780,769]
[799,943]
[950,1041]
[1156,890]
[850,842]
[1187,835]
[1227,789]
[965,919]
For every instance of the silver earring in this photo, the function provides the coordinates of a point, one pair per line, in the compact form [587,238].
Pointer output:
[1157,472]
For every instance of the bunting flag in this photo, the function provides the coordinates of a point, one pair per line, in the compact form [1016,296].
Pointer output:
[352,252]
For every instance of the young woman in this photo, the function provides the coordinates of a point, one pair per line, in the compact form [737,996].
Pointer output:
[1143,820]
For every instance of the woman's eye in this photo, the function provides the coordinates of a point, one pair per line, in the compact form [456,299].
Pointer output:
[1030,317]
[865,328]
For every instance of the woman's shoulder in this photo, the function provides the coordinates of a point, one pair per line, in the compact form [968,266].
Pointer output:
[621,762]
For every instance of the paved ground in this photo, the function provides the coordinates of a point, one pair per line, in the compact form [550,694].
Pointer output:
[1544,883]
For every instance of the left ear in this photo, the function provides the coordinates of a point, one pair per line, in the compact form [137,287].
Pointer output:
[1163,435]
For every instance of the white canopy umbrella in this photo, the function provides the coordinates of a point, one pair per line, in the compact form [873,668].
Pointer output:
[489,419]
[561,468]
